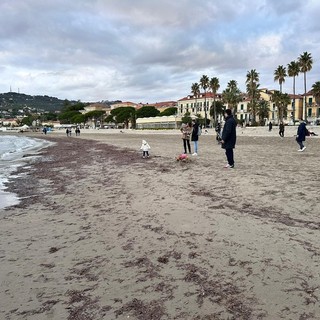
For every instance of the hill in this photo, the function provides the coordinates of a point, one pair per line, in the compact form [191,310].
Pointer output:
[15,101]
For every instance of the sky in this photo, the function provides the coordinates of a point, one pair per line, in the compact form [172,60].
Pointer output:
[151,50]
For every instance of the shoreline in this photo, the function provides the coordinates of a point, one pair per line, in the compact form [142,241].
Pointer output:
[19,158]
[104,234]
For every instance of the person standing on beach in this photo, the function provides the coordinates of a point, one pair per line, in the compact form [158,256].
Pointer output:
[145,149]
[281,129]
[186,131]
[195,136]
[302,132]
[229,137]
[270,126]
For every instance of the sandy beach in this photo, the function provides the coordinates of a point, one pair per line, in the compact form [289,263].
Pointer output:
[101,233]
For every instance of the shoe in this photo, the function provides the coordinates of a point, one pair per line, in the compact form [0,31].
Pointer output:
[299,150]
[229,166]
[304,148]
[195,154]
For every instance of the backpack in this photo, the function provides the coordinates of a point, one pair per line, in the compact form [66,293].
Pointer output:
[199,131]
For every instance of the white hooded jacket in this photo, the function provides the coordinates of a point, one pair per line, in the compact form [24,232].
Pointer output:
[145,146]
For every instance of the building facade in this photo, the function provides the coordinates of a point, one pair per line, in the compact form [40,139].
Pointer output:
[198,105]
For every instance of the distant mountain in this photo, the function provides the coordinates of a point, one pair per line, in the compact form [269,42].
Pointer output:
[14,100]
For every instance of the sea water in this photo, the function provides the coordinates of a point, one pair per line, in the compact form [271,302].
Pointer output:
[12,150]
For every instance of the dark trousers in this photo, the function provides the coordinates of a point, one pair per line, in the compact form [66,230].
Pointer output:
[281,134]
[300,143]
[229,154]
[145,153]
[186,143]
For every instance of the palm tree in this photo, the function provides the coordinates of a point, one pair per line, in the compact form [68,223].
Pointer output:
[232,95]
[204,82]
[305,62]
[281,100]
[263,111]
[217,109]
[252,84]
[316,92]
[195,90]
[280,75]
[214,86]
[293,71]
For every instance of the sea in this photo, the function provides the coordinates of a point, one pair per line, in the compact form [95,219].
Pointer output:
[12,150]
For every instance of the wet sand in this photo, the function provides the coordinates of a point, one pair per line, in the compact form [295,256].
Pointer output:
[101,233]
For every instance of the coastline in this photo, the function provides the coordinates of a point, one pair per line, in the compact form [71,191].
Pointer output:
[15,153]
[103,234]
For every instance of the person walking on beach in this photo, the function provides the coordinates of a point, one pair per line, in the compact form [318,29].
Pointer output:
[229,137]
[186,132]
[67,132]
[195,136]
[77,131]
[302,132]
[270,126]
[281,129]
[145,149]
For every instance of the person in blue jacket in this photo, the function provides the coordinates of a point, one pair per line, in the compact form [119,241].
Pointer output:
[302,132]
[229,137]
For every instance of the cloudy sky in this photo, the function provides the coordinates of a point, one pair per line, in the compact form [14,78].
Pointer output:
[151,50]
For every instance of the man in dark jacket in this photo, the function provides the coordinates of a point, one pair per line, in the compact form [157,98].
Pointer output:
[229,137]
[302,132]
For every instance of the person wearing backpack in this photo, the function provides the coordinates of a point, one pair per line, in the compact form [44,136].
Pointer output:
[196,132]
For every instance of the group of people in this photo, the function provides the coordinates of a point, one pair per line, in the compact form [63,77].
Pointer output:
[191,132]
[69,131]
[227,138]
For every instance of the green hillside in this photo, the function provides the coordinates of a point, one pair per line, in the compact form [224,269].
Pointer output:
[13,100]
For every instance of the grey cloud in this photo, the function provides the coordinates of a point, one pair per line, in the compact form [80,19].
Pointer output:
[148,49]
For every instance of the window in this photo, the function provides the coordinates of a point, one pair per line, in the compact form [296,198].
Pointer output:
[241,107]
[309,112]
[310,102]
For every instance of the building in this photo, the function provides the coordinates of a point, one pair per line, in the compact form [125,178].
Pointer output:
[165,122]
[197,105]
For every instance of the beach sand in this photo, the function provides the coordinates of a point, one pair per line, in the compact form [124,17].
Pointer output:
[101,233]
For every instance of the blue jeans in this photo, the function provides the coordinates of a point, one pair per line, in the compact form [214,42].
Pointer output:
[195,144]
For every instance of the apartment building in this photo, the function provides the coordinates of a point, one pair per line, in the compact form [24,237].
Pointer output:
[196,105]
[200,104]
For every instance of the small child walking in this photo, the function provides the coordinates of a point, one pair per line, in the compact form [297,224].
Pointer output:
[145,149]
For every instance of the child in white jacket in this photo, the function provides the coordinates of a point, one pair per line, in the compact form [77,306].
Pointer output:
[145,148]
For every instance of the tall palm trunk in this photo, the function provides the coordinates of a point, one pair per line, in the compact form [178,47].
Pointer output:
[214,110]
[294,99]
[305,96]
